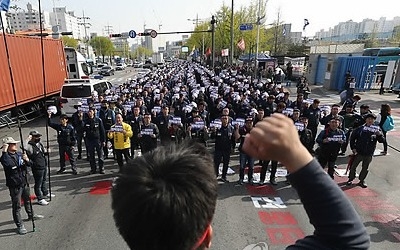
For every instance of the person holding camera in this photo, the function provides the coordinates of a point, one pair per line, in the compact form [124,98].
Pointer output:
[15,168]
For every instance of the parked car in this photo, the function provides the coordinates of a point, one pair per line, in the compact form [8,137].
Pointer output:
[148,64]
[120,66]
[138,64]
[106,71]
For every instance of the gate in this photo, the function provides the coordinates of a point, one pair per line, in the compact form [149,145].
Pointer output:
[362,68]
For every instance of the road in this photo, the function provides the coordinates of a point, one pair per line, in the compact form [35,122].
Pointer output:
[80,215]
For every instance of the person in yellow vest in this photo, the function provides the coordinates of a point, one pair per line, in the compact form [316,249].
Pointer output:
[121,133]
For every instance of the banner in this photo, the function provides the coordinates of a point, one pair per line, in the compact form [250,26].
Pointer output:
[225,52]
[241,45]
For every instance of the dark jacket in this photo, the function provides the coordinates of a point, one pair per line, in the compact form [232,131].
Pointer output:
[108,118]
[14,169]
[65,134]
[37,155]
[147,142]
[135,123]
[94,129]
[364,140]
[333,145]
[224,137]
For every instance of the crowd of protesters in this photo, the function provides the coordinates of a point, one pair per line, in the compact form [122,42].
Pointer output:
[185,100]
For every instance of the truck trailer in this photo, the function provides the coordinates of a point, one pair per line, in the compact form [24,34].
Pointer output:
[33,88]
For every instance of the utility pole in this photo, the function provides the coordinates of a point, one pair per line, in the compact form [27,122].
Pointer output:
[86,26]
[231,50]
[108,29]
[213,21]
[258,38]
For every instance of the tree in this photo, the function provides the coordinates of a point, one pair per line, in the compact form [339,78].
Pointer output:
[102,46]
[141,52]
[69,42]
[222,30]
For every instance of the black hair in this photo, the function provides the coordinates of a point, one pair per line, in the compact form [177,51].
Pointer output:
[166,199]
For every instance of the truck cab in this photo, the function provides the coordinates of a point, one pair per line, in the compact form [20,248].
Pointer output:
[77,66]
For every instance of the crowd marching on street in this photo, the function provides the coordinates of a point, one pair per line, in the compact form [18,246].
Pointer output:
[186,101]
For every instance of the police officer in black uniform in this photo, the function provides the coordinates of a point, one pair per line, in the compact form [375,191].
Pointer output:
[223,145]
[66,142]
[95,140]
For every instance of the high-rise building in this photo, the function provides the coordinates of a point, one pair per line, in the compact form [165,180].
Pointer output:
[148,41]
[67,22]
[29,19]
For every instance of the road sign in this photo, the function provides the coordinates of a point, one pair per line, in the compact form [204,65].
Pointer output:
[153,33]
[246,26]
[132,34]
[124,34]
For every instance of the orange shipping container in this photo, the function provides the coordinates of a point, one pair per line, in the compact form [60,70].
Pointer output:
[25,55]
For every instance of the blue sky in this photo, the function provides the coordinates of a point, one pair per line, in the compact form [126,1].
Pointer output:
[125,15]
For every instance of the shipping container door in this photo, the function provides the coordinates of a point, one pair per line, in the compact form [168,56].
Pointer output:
[322,63]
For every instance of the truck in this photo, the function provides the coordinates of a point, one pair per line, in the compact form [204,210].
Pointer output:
[36,84]
[158,59]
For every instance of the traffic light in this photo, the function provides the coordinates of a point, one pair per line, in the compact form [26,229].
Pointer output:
[144,34]
[69,33]
[115,35]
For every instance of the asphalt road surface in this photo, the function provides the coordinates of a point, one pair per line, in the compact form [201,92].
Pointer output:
[80,215]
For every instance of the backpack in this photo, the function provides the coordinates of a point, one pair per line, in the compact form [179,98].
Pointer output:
[388,124]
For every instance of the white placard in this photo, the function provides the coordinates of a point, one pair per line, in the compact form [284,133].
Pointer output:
[147,131]
[336,138]
[216,124]
[372,128]
[176,120]
[83,108]
[287,111]
[117,128]
[156,109]
[239,121]
[52,109]
[299,126]
[198,125]
[222,104]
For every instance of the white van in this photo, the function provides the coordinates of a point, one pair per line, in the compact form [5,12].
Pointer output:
[74,90]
